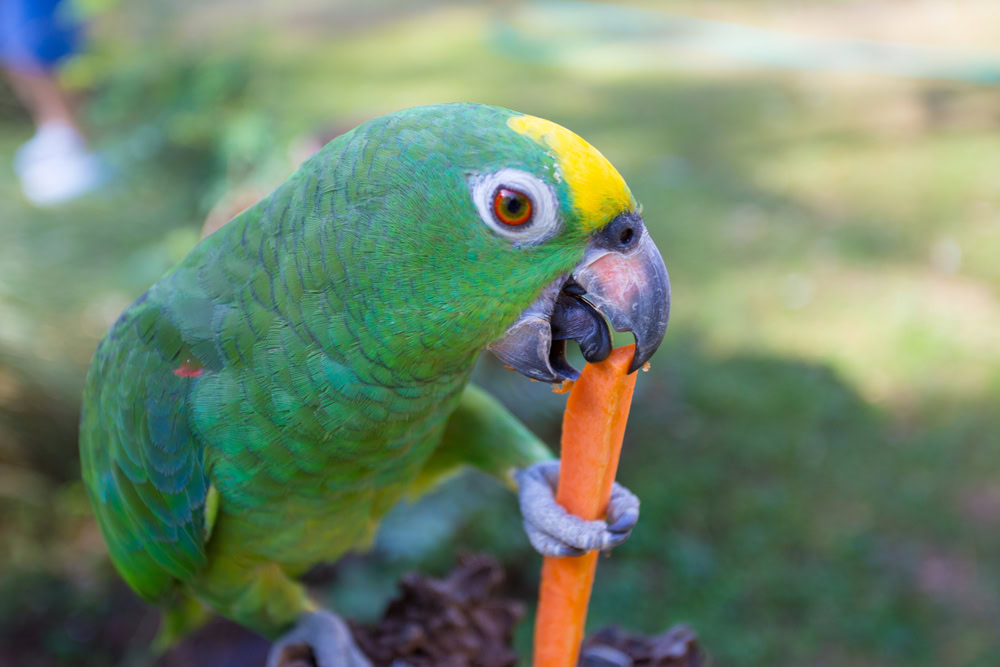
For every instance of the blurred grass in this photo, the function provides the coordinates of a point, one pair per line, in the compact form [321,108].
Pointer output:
[816,445]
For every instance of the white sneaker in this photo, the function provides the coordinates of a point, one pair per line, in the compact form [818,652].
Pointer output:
[55,166]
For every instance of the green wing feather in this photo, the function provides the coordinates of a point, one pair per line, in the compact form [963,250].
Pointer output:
[142,463]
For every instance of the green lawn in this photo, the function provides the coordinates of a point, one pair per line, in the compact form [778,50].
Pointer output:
[816,445]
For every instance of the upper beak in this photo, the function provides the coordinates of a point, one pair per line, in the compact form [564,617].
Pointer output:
[622,277]
[628,284]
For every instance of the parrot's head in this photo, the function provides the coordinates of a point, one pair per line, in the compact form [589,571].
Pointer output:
[520,235]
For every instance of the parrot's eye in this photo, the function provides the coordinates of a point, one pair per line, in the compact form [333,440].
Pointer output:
[512,207]
[516,205]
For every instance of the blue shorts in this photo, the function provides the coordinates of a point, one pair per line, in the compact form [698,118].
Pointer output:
[35,35]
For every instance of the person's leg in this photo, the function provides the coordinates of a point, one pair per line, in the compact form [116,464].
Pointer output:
[42,96]
[35,36]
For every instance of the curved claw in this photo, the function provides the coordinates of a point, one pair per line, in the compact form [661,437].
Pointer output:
[623,509]
[552,531]
[324,637]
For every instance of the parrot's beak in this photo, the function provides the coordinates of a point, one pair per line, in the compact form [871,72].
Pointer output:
[622,278]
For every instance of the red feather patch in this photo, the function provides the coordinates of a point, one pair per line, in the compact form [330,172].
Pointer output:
[190,368]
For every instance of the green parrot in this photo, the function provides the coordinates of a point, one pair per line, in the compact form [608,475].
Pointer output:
[264,404]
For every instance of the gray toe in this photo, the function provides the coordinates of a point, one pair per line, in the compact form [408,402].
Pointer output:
[328,637]
[549,546]
[548,524]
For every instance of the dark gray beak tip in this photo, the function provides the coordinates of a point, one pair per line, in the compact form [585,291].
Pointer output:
[649,331]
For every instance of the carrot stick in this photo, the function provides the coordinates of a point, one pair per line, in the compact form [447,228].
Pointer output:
[593,426]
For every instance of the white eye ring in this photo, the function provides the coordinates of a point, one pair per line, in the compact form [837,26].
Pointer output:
[545,210]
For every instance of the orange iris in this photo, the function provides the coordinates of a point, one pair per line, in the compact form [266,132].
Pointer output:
[511,206]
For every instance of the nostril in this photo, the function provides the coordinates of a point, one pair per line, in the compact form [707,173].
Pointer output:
[623,233]
[626,236]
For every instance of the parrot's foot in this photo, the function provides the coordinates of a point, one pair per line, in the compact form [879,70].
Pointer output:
[320,637]
[555,532]
[604,656]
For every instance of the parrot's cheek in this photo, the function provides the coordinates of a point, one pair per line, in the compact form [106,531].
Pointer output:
[622,278]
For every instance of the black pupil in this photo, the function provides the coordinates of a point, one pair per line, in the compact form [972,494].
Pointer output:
[513,204]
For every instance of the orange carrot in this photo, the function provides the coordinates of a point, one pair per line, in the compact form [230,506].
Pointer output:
[593,426]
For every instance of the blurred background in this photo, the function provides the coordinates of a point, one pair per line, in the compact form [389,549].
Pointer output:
[816,446]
